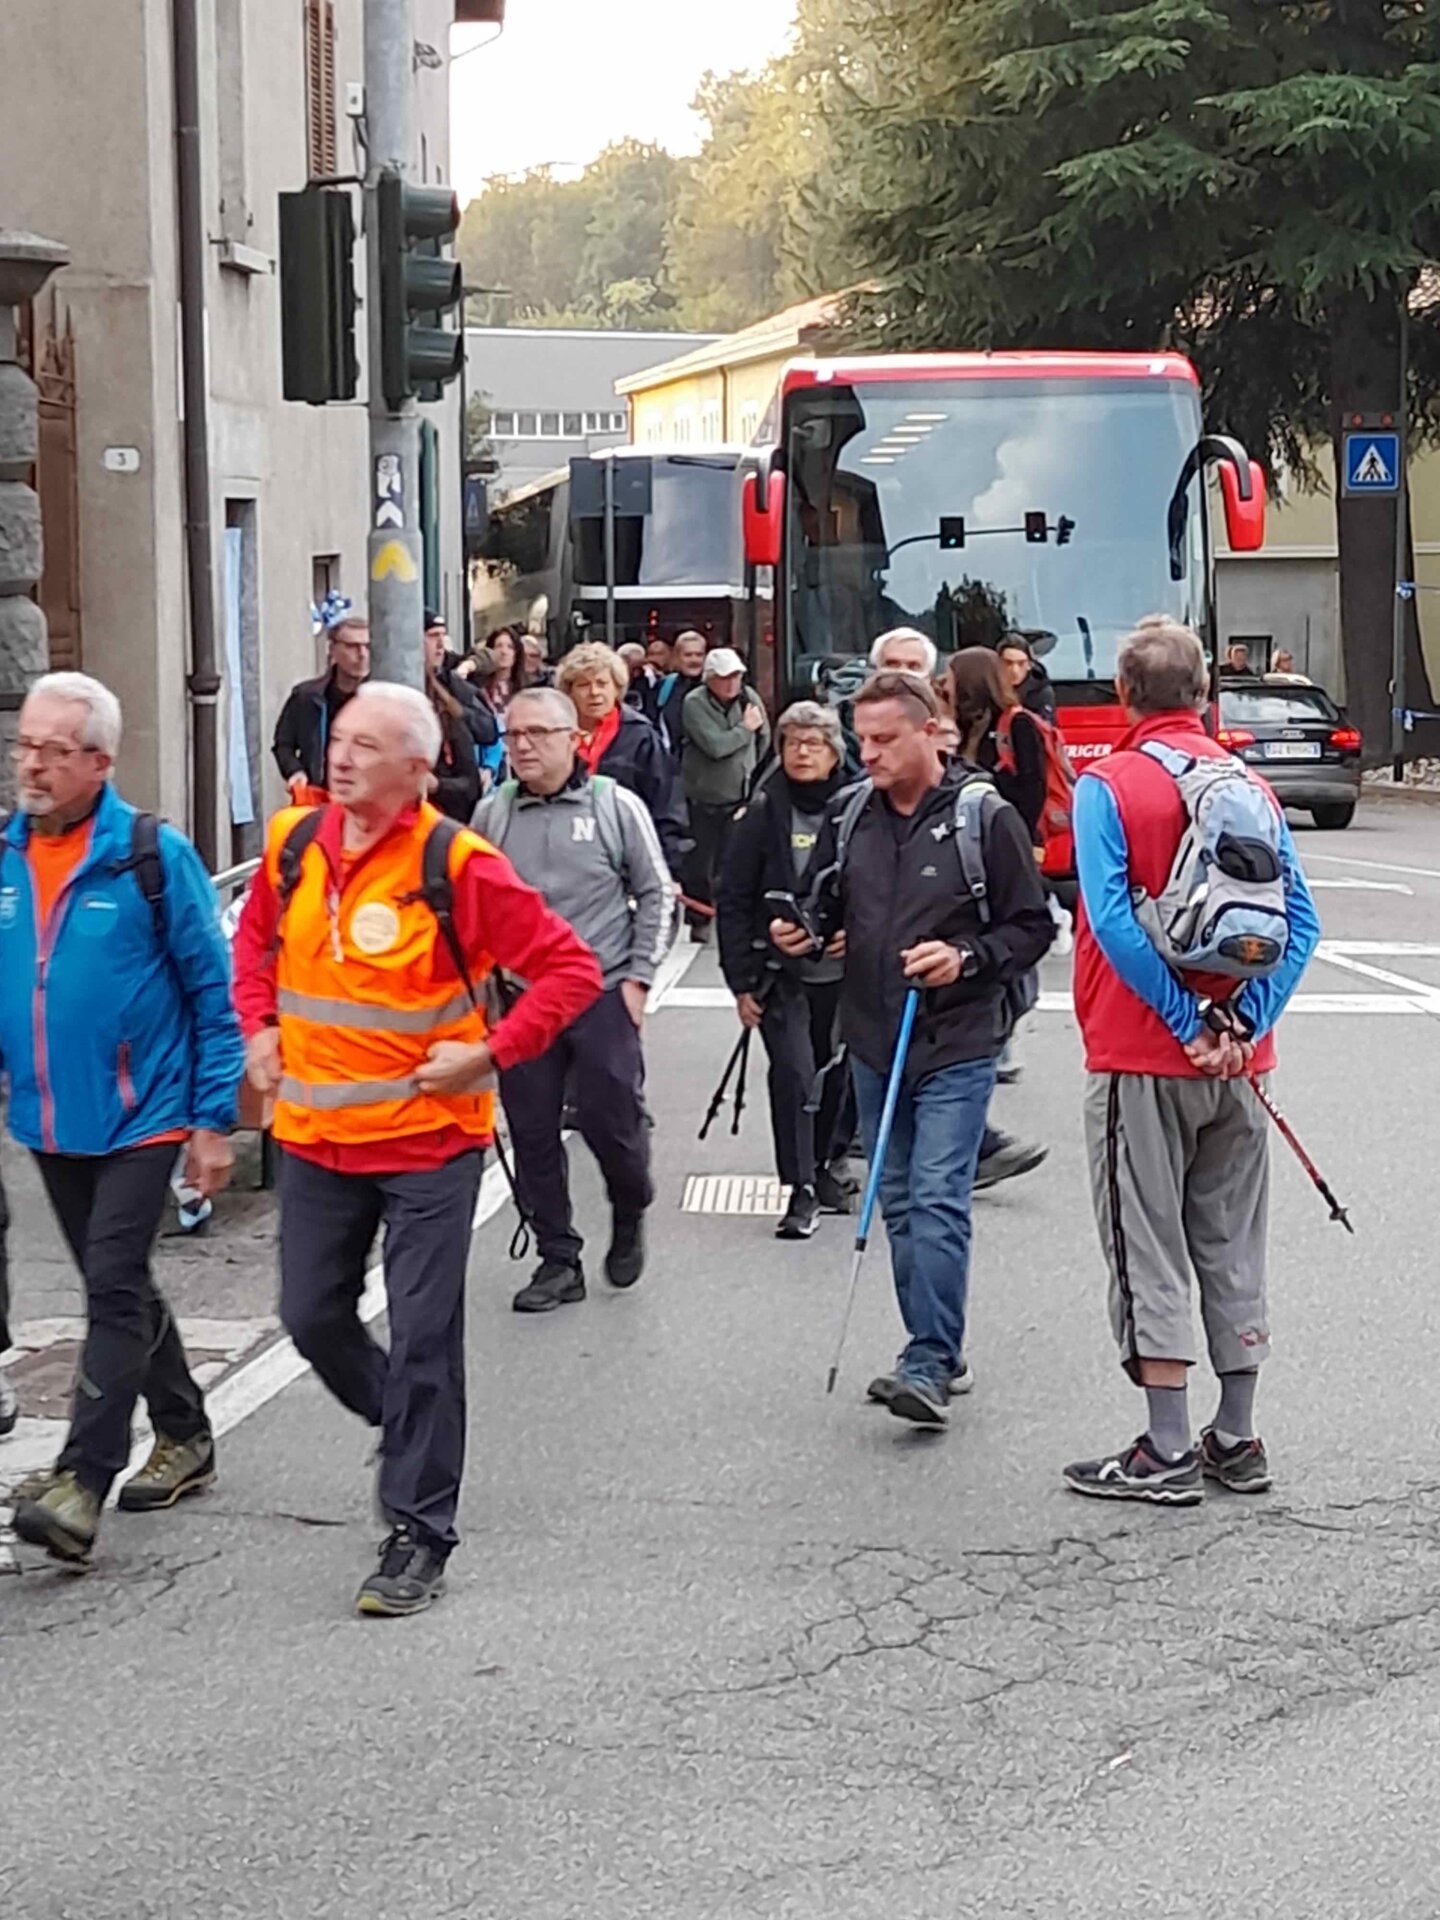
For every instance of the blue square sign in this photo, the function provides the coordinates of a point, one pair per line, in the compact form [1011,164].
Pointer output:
[1372,463]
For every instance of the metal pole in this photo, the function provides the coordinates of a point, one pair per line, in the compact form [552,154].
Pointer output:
[1402,517]
[609,466]
[393,548]
[203,683]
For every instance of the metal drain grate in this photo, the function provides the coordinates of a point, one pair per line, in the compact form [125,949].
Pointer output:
[753,1193]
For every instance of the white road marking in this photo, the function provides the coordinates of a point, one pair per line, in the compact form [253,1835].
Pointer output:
[1376,866]
[1420,988]
[1379,949]
[1416,998]
[1362,886]
[253,1384]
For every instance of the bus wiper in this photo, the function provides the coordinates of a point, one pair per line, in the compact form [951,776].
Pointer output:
[1088,643]
[699,460]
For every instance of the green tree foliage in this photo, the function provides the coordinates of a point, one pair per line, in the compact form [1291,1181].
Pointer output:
[1258,183]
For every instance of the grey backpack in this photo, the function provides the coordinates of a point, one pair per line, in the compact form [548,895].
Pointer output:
[1224,908]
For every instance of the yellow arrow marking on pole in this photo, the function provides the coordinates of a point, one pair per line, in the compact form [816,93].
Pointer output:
[393,557]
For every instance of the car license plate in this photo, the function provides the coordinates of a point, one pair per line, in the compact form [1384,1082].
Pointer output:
[1292,750]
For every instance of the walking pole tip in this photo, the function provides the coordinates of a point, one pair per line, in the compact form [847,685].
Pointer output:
[834,1376]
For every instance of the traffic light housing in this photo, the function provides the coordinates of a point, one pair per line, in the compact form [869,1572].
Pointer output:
[317,296]
[416,278]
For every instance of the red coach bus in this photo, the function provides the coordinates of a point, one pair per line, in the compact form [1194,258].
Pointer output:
[969,494]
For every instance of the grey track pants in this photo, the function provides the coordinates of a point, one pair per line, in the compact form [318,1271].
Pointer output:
[1180,1173]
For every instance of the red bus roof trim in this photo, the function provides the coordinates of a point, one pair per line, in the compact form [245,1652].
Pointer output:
[860,368]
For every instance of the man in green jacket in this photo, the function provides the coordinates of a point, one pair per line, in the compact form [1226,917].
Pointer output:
[726,737]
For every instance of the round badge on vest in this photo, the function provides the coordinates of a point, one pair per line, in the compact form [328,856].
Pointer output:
[375,927]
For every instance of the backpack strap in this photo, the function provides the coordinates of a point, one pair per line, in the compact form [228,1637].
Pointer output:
[438,892]
[498,809]
[292,859]
[850,819]
[148,868]
[1175,763]
[971,805]
[609,827]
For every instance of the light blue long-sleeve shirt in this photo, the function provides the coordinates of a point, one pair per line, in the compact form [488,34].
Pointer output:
[1102,861]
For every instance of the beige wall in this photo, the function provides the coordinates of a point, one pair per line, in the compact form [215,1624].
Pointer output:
[86,157]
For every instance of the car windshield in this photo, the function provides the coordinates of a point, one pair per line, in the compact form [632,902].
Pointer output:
[1276,706]
[675,522]
[966,508]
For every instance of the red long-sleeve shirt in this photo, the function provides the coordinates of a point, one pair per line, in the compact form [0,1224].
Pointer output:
[495,914]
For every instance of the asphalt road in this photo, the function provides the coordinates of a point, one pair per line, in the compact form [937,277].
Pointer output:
[718,1646]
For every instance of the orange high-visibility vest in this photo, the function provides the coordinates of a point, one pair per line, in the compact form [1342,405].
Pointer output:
[365,988]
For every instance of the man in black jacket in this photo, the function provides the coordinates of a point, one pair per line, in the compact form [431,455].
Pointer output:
[302,733]
[909,920]
[794,1002]
[440,665]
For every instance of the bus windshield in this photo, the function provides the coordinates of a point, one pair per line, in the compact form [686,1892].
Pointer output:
[1065,508]
[675,521]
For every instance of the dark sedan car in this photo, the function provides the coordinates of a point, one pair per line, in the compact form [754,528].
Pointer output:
[1299,740]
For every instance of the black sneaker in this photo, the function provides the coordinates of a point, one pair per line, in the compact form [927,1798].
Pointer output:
[410,1575]
[1243,1468]
[1007,1159]
[835,1195]
[881,1389]
[920,1400]
[554,1283]
[625,1261]
[1140,1474]
[801,1217]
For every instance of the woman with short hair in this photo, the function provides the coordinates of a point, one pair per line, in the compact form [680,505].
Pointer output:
[618,741]
[794,1002]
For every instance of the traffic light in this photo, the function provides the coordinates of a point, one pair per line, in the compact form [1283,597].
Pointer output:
[415,277]
[1037,530]
[317,296]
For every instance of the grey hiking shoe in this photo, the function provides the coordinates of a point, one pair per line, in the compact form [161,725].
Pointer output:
[63,1520]
[175,1468]
[410,1575]
[881,1390]
[920,1400]
[1138,1472]
[1008,1159]
[1243,1468]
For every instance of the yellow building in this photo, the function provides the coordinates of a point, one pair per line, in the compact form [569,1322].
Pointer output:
[1287,596]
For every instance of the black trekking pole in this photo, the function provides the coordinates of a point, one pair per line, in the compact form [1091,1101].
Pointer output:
[877,1168]
[737,1059]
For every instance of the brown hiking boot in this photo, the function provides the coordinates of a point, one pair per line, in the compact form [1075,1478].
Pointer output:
[175,1468]
[63,1520]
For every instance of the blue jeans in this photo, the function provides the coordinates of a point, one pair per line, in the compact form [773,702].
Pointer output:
[925,1197]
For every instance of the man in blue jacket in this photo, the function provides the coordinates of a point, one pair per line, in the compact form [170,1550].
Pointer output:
[121,1047]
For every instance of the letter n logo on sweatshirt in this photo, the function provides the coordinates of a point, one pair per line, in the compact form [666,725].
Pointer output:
[582,829]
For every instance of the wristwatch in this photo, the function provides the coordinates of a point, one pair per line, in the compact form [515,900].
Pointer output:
[1223,1016]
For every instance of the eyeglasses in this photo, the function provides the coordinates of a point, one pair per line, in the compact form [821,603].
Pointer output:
[50,753]
[517,736]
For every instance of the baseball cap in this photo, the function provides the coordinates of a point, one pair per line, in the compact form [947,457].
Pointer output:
[433,619]
[722,661]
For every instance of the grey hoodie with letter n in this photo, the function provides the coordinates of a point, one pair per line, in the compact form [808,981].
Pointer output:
[556,844]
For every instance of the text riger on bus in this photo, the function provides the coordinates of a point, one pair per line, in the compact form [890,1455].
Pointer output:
[1063,495]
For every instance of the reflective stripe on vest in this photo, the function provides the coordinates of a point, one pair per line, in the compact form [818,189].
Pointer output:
[329,1096]
[362,1018]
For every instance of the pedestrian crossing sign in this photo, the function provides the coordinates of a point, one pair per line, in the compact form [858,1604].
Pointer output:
[1372,463]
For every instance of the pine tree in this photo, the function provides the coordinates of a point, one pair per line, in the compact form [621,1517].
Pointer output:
[1257,183]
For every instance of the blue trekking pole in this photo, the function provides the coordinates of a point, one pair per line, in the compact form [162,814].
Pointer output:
[877,1167]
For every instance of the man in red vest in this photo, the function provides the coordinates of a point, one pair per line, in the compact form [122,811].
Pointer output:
[1177,1140]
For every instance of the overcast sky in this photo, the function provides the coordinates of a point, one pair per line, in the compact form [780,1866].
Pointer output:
[568,77]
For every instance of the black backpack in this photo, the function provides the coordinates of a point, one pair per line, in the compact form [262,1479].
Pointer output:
[146,865]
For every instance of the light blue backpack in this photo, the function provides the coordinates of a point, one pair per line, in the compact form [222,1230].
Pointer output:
[1224,908]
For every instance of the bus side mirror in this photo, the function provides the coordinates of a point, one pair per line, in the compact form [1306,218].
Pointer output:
[1243,490]
[763,517]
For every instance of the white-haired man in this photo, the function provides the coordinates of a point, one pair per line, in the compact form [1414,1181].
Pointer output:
[121,1046]
[359,960]
[905,650]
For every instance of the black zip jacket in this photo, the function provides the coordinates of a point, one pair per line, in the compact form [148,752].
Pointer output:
[758,860]
[637,759]
[902,885]
[303,729]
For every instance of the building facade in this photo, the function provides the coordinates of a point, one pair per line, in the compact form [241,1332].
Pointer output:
[549,393]
[88,156]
